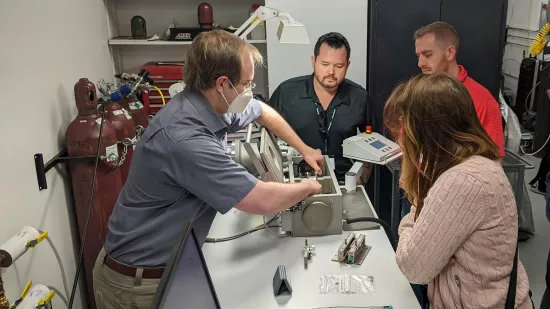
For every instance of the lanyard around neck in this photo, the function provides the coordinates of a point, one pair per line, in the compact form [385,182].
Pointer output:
[329,124]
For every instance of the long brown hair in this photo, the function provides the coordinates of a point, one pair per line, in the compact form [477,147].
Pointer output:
[435,122]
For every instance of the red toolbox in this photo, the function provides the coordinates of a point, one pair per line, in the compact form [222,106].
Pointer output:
[165,74]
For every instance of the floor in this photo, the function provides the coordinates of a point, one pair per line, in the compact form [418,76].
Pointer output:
[534,252]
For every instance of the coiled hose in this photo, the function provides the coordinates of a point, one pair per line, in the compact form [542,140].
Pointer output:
[540,41]
[161,95]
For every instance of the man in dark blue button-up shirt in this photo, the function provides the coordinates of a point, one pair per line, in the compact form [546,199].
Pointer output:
[180,171]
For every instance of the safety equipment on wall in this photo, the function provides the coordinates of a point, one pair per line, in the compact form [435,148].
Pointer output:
[125,128]
[16,246]
[98,180]
[540,41]
[40,296]
[37,297]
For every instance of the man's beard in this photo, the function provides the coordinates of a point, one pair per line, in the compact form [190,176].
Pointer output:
[326,85]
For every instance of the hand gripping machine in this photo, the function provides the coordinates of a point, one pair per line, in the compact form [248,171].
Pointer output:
[317,215]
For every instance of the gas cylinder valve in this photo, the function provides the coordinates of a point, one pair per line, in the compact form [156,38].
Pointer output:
[132,101]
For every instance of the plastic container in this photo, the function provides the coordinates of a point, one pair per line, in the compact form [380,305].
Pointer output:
[259,32]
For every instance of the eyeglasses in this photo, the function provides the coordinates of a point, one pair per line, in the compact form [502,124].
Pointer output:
[249,85]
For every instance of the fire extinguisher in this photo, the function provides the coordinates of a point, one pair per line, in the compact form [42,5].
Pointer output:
[83,137]
[124,126]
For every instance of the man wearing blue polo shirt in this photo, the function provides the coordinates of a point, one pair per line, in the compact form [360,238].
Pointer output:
[180,171]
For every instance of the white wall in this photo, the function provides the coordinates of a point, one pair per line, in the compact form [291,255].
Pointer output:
[524,14]
[46,47]
[523,22]
[348,17]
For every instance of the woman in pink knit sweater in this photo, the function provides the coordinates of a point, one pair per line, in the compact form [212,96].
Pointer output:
[460,237]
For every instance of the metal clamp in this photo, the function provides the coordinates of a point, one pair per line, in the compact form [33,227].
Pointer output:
[528,165]
[139,132]
[308,253]
[126,142]
[61,157]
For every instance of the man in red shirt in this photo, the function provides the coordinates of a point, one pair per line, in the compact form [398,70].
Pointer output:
[436,48]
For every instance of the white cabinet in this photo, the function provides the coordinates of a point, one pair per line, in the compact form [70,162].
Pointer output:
[129,55]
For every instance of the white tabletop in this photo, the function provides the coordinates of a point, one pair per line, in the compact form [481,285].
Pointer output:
[242,270]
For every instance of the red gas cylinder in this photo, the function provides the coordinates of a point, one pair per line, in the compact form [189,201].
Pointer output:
[136,109]
[125,129]
[82,141]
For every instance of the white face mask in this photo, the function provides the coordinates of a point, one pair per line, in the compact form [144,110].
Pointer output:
[240,103]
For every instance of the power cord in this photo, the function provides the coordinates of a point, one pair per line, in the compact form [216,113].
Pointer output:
[527,108]
[540,149]
[81,254]
[268,228]
[62,269]
[386,227]
[161,95]
[258,228]
[60,295]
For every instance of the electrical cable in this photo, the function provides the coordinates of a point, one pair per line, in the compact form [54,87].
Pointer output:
[258,228]
[61,267]
[540,149]
[90,206]
[527,97]
[268,228]
[386,227]
[548,138]
[215,240]
[161,95]
[61,296]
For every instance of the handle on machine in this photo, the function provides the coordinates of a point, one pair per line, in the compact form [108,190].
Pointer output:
[528,165]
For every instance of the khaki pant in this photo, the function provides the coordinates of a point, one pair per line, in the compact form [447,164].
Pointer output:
[115,291]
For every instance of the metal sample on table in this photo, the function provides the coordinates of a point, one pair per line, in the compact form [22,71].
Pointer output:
[342,251]
[308,252]
[353,250]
